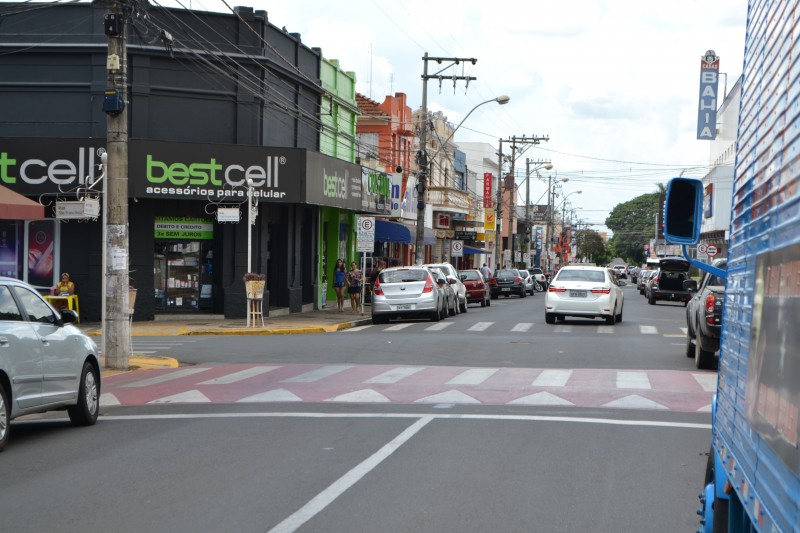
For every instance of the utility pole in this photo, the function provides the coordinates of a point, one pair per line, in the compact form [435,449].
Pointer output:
[422,154]
[116,325]
[498,238]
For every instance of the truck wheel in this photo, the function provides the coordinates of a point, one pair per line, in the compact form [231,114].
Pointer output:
[703,359]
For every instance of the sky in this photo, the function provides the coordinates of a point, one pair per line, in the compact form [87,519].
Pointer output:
[614,84]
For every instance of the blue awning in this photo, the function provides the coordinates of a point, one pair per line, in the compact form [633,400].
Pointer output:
[470,250]
[388,231]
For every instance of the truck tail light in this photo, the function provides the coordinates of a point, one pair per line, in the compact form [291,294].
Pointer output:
[709,305]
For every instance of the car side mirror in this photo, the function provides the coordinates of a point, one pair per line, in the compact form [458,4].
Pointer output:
[622,283]
[452,281]
[441,281]
[690,285]
[68,316]
[683,211]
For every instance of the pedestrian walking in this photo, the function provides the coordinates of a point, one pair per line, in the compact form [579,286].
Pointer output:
[486,272]
[339,273]
[354,279]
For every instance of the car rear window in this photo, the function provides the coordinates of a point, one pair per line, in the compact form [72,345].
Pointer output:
[399,276]
[581,275]
[470,275]
[506,273]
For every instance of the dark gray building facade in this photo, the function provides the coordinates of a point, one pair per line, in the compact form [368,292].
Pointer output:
[213,99]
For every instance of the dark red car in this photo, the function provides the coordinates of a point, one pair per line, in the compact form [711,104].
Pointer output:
[477,287]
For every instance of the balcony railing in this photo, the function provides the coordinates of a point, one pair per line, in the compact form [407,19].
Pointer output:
[448,199]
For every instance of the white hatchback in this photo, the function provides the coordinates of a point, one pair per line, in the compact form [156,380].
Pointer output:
[585,292]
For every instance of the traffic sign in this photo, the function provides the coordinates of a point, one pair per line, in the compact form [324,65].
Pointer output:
[702,249]
[456,248]
[712,250]
[366,234]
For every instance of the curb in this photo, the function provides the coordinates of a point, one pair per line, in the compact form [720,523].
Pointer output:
[282,330]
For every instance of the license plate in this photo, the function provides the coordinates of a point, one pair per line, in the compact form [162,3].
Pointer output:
[577,294]
[506,289]
[403,307]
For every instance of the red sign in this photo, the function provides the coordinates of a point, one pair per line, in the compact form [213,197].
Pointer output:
[487,189]
[712,250]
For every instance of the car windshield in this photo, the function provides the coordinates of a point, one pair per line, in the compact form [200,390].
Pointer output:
[470,275]
[581,275]
[400,276]
[524,273]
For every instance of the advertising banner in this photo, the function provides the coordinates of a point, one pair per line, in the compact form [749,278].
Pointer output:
[376,190]
[707,107]
[195,229]
[489,218]
[487,189]
[397,194]
[408,209]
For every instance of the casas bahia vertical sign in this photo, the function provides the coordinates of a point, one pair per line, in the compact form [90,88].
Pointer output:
[707,107]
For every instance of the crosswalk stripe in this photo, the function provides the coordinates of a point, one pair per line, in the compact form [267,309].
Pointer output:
[357,328]
[605,329]
[473,376]
[522,327]
[240,376]
[552,378]
[685,331]
[177,374]
[318,374]
[398,327]
[648,330]
[563,329]
[438,327]
[633,380]
[707,381]
[481,326]
[394,375]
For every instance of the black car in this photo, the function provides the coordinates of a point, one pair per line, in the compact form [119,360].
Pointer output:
[507,282]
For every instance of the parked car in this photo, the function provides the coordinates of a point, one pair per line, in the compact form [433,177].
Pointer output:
[704,319]
[46,363]
[507,281]
[649,283]
[621,271]
[668,283]
[539,275]
[408,292]
[461,291]
[527,279]
[586,292]
[644,275]
[447,288]
[477,287]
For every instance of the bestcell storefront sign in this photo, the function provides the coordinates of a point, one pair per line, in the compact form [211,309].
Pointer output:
[42,165]
[215,172]
[332,182]
[196,229]
[707,107]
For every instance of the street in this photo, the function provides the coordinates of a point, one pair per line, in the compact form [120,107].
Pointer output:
[489,421]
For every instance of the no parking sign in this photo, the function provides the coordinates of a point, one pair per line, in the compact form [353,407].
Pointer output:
[456,248]
[366,234]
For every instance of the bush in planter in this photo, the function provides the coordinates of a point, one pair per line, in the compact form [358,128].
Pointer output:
[254,284]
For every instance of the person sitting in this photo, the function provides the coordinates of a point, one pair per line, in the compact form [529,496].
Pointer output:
[65,287]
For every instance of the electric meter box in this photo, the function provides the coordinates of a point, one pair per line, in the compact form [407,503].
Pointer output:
[112,24]
[112,102]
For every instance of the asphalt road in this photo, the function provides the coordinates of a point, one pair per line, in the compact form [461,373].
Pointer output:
[338,466]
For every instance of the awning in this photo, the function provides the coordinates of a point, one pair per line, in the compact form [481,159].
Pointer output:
[14,206]
[388,231]
[470,250]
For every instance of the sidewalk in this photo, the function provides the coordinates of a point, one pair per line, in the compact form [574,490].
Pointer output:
[317,321]
[280,322]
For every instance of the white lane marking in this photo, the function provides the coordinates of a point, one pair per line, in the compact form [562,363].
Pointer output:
[522,327]
[357,328]
[277,395]
[108,400]
[707,381]
[541,398]
[473,376]
[394,375]
[451,396]
[177,374]
[135,351]
[442,416]
[685,331]
[633,380]
[318,374]
[605,329]
[563,329]
[192,396]
[705,409]
[438,327]
[634,401]
[240,376]
[360,396]
[398,327]
[674,335]
[481,326]
[319,502]
[552,378]
[648,330]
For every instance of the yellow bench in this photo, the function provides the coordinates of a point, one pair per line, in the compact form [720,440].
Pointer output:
[71,301]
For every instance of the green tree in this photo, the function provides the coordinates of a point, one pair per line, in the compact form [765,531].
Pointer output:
[591,246]
[633,224]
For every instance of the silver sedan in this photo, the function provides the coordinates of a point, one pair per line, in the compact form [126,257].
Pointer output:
[408,292]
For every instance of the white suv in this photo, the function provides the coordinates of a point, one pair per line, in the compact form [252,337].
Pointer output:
[458,286]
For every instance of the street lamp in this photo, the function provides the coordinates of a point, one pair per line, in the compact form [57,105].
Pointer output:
[423,162]
[251,219]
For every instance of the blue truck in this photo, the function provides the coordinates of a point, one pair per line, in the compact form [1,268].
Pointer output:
[752,480]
